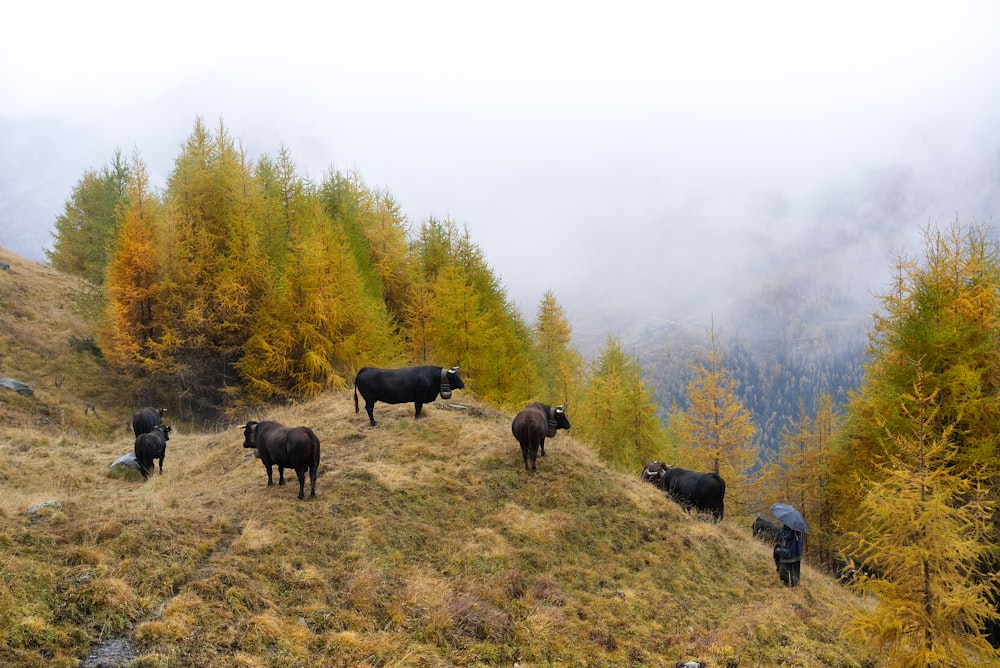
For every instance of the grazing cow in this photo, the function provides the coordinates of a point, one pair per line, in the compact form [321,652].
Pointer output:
[703,491]
[532,425]
[555,419]
[419,384]
[765,530]
[147,418]
[655,473]
[287,448]
[149,446]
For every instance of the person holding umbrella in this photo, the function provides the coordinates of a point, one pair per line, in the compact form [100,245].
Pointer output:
[788,549]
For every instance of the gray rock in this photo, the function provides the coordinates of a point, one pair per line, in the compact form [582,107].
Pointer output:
[47,504]
[128,461]
[21,388]
[112,653]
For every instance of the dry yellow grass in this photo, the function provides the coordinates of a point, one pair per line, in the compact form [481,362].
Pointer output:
[427,545]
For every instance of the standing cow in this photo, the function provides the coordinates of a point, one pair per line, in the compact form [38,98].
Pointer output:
[146,418]
[419,384]
[287,448]
[555,419]
[149,446]
[705,492]
[532,425]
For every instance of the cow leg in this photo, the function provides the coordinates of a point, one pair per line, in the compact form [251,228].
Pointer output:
[270,480]
[281,475]
[300,473]
[313,472]
[542,446]
[417,406]
[370,407]
[161,465]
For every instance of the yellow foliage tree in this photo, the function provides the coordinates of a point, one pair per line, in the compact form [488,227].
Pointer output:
[617,413]
[561,368]
[719,428]
[132,281]
[799,475]
[921,537]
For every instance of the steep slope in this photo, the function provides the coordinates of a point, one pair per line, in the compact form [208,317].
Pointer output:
[427,544]
[45,343]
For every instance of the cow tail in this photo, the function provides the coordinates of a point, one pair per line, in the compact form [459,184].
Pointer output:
[356,396]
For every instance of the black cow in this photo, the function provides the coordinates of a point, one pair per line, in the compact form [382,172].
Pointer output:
[149,446]
[765,530]
[285,447]
[555,419]
[147,418]
[655,473]
[419,384]
[532,425]
[703,491]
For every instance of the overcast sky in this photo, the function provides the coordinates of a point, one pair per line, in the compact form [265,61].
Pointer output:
[639,156]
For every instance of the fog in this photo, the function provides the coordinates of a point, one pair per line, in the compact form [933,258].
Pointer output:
[647,161]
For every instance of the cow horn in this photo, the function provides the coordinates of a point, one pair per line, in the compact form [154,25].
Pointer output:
[455,368]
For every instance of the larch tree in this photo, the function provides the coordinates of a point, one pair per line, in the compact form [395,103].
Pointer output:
[617,413]
[926,418]
[560,365]
[86,230]
[799,475]
[209,205]
[719,427]
[922,537]
[132,283]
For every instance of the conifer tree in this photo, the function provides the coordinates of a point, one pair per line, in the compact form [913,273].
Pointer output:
[929,393]
[617,414]
[376,231]
[318,324]
[132,284]
[719,428]
[922,533]
[211,286]
[943,312]
[799,475]
[561,368]
[86,229]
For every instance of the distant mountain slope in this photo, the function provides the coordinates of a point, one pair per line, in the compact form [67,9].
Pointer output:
[791,341]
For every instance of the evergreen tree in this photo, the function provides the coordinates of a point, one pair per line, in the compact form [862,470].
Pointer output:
[798,475]
[922,533]
[132,318]
[719,428]
[617,414]
[925,420]
[561,367]
[86,229]
[210,288]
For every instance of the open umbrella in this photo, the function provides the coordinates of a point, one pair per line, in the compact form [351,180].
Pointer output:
[790,517]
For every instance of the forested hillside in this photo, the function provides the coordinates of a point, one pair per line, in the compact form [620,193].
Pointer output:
[785,347]
[243,286]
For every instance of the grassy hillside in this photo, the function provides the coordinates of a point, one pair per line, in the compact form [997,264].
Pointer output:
[427,545]
[45,343]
